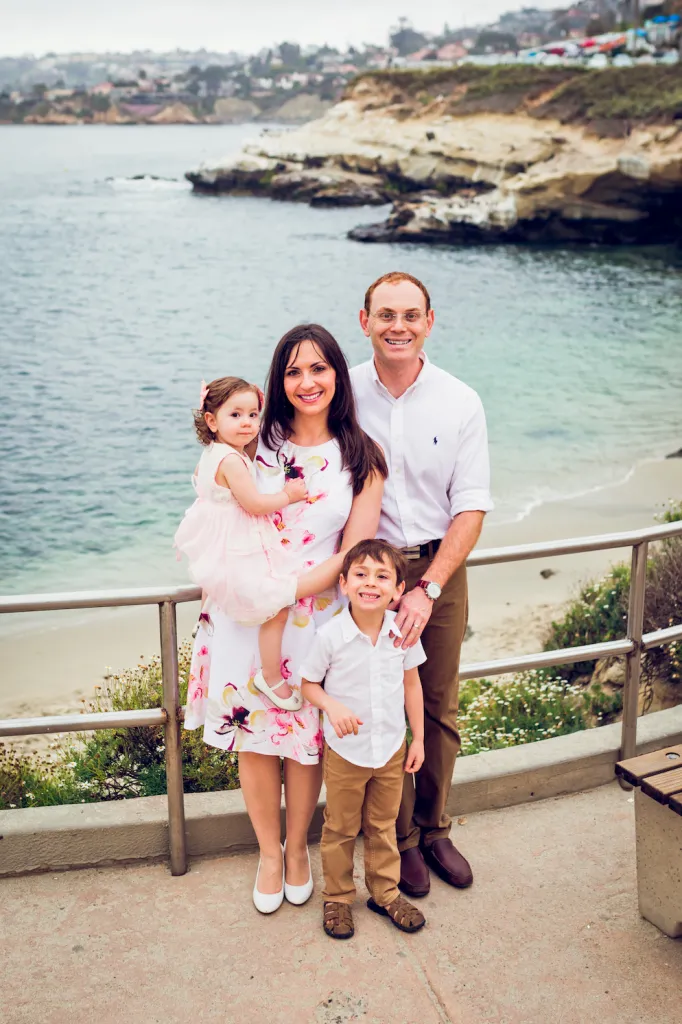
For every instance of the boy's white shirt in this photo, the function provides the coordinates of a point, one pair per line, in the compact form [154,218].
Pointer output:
[369,680]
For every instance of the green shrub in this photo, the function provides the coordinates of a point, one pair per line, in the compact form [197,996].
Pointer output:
[663,607]
[599,613]
[118,763]
[602,707]
[99,103]
[27,780]
[672,513]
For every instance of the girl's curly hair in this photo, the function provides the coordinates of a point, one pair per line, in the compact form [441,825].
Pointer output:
[217,393]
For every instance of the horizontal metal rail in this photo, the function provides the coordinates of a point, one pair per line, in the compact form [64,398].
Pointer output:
[81,723]
[574,546]
[474,670]
[98,599]
[661,636]
[171,714]
[547,659]
[182,594]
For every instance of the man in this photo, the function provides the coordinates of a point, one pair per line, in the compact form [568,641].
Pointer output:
[432,429]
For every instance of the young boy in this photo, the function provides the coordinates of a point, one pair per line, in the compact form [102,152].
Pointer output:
[369,683]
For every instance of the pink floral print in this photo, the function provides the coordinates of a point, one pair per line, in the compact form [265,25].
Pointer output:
[222,696]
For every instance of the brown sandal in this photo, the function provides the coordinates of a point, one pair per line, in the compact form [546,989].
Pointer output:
[403,914]
[338,920]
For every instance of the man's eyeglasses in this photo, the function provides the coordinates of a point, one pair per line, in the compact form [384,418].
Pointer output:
[387,316]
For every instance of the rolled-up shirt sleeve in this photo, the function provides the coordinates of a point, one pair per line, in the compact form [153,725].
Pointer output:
[317,660]
[469,488]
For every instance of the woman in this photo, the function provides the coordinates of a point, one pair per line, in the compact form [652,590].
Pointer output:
[309,431]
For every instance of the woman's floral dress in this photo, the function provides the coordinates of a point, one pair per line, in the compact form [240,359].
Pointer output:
[221,695]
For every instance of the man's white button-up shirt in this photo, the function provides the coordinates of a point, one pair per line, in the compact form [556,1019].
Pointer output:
[369,680]
[436,444]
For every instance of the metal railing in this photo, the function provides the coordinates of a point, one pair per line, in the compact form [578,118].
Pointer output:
[170,715]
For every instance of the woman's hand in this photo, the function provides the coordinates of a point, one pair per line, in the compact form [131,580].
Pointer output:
[296,490]
[341,718]
[415,756]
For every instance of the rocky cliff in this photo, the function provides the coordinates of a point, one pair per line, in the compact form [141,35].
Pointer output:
[515,153]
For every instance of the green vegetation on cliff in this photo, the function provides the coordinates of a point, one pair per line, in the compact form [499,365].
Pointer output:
[647,93]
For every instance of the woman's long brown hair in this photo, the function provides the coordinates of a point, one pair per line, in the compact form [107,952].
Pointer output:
[360,455]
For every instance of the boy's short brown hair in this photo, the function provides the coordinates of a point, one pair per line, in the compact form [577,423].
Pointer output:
[379,551]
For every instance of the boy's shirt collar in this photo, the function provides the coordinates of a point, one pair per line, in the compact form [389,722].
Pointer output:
[350,629]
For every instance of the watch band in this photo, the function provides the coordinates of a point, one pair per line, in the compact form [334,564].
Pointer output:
[430,585]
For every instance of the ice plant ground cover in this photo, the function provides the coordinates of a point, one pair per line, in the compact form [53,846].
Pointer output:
[532,706]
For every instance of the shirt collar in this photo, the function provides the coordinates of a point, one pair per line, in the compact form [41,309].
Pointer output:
[417,383]
[349,628]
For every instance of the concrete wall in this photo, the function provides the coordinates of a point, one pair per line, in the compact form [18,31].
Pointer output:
[70,836]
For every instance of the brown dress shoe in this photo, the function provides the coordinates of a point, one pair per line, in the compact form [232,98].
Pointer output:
[414,874]
[448,863]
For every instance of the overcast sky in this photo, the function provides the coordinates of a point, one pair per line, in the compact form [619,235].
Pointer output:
[40,26]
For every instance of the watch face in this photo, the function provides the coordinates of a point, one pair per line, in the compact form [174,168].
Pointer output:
[433,591]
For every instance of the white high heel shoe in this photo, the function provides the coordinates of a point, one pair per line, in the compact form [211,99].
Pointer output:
[298,894]
[268,902]
[293,703]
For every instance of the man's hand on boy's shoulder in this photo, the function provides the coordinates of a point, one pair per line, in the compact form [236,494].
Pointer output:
[413,612]
[415,756]
[342,719]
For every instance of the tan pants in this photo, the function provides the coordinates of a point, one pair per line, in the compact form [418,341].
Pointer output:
[366,798]
[422,810]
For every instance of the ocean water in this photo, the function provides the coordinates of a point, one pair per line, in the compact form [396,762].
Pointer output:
[118,295]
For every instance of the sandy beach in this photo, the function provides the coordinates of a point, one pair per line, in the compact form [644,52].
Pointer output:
[52,664]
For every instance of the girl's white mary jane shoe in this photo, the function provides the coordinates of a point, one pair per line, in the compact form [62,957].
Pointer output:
[293,703]
[268,902]
[298,894]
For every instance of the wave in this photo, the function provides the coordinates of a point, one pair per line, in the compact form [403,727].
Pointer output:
[149,183]
[550,497]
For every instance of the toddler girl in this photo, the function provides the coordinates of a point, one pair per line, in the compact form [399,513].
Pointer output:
[234,549]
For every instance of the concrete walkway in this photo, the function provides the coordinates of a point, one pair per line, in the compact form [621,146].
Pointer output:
[548,934]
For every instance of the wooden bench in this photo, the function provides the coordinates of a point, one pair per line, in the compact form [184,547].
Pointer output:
[658,824]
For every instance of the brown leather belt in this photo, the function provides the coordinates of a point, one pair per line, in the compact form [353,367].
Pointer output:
[427,550]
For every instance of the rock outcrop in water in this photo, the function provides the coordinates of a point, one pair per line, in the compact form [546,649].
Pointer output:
[474,155]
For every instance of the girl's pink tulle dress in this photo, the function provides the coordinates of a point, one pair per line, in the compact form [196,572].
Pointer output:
[237,558]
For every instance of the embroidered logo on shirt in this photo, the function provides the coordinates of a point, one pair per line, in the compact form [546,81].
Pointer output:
[435,440]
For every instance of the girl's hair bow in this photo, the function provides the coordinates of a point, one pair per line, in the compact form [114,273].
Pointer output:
[204,394]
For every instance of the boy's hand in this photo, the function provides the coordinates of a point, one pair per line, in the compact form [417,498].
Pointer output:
[415,756]
[296,490]
[342,719]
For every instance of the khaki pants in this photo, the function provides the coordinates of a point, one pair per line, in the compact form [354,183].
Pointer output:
[422,810]
[366,798]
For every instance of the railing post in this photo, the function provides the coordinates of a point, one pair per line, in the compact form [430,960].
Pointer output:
[176,801]
[633,660]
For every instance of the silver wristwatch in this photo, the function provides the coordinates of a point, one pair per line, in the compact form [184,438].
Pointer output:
[431,589]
